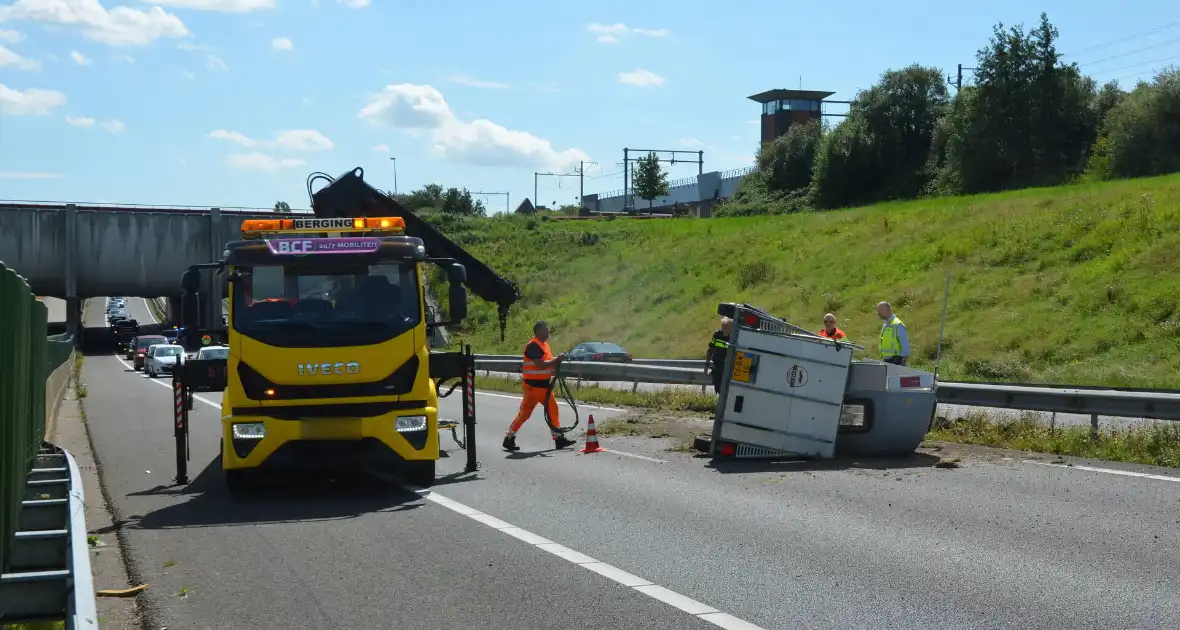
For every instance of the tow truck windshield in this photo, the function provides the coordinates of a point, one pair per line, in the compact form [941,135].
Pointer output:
[321,303]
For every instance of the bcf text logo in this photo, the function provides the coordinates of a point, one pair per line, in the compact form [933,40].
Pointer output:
[294,247]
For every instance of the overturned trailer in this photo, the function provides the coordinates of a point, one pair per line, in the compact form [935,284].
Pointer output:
[787,391]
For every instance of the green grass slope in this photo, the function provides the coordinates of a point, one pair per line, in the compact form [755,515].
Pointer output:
[1057,285]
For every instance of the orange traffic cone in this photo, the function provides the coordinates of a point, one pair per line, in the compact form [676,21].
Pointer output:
[592,438]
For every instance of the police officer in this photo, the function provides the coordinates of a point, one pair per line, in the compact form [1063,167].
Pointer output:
[718,349]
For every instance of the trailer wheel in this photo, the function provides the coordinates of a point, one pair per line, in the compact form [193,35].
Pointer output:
[702,443]
[420,474]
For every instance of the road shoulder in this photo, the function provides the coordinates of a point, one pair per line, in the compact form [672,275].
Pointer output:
[106,557]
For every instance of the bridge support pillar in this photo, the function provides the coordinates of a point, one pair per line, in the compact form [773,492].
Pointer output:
[173,309]
[74,321]
[211,306]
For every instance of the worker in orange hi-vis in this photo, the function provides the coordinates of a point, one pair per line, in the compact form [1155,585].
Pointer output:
[830,330]
[536,373]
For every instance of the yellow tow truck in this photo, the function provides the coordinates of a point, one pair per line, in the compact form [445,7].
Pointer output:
[329,336]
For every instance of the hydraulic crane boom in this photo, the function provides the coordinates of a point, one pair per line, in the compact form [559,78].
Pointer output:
[350,196]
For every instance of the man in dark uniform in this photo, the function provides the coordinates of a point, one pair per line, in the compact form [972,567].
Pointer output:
[718,349]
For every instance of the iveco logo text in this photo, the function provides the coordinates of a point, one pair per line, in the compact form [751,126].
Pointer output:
[324,369]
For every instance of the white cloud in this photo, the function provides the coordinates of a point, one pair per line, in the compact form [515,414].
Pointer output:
[281,43]
[192,46]
[213,62]
[114,126]
[119,26]
[80,59]
[290,140]
[422,109]
[222,6]
[11,37]
[692,143]
[261,162]
[381,148]
[354,4]
[29,175]
[124,58]
[80,121]
[10,58]
[463,79]
[610,33]
[641,77]
[31,102]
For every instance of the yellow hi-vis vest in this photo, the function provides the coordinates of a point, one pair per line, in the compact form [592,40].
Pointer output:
[890,341]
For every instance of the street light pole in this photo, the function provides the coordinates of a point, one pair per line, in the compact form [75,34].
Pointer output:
[394,160]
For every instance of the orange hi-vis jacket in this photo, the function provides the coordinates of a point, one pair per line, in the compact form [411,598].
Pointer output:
[839,334]
[529,370]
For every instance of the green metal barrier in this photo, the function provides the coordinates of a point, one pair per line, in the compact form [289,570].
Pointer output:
[22,396]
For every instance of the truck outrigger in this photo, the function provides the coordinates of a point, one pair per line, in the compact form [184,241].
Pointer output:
[329,334]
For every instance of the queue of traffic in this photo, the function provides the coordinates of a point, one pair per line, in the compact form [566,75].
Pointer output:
[155,355]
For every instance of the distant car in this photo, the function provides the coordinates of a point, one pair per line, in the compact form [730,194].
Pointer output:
[141,347]
[171,335]
[162,358]
[129,349]
[599,351]
[213,352]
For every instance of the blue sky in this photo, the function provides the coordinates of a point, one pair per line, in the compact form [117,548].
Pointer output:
[234,102]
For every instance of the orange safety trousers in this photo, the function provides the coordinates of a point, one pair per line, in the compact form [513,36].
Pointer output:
[534,396]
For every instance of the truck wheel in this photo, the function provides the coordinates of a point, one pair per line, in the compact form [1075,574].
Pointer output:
[421,473]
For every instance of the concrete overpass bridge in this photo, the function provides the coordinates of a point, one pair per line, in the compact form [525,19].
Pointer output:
[74,252]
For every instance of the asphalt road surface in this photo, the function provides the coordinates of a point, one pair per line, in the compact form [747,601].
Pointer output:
[641,537]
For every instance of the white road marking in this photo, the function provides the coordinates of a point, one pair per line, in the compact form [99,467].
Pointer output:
[560,402]
[148,310]
[636,456]
[1109,471]
[683,603]
[215,405]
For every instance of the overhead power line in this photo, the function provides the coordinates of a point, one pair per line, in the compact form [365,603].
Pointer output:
[1130,52]
[1121,40]
[1139,65]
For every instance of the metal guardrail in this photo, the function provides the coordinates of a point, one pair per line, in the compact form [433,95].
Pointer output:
[1156,404]
[44,554]
[608,372]
[49,577]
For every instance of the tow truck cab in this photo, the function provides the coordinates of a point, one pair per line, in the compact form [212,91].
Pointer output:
[329,360]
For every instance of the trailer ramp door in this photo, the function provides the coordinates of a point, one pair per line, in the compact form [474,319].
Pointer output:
[783,393]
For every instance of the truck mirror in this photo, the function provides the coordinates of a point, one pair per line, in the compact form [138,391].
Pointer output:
[456,274]
[458,303]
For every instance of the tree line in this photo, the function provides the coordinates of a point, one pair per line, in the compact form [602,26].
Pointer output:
[1027,120]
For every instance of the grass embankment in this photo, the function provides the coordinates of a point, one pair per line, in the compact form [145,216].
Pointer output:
[1058,285]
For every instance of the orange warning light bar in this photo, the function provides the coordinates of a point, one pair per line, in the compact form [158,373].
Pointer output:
[359,224]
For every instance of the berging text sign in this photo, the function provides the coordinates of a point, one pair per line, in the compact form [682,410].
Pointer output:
[304,246]
[323,224]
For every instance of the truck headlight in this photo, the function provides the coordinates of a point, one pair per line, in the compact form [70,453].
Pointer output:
[852,416]
[249,431]
[410,423]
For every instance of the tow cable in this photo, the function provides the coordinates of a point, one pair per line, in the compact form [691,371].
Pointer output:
[558,381]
